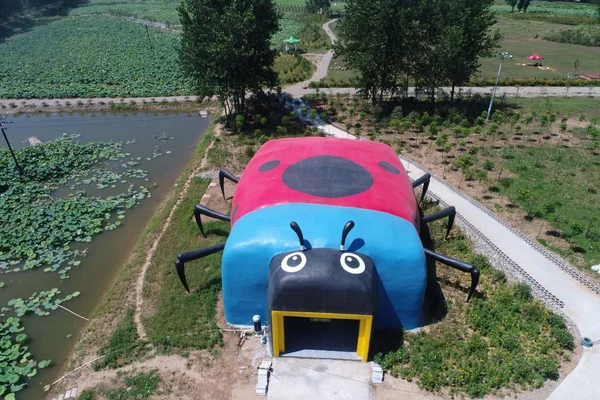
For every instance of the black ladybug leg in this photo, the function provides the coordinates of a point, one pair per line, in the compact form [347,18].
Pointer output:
[424,180]
[224,173]
[190,256]
[459,265]
[449,212]
[199,210]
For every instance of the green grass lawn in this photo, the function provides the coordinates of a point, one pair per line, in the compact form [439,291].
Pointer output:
[574,106]
[519,40]
[548,7]
[559,185]
[176,313]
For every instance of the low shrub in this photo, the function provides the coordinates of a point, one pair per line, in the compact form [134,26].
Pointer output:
[585,35]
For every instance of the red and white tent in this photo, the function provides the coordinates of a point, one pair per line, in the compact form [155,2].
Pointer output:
[535,57]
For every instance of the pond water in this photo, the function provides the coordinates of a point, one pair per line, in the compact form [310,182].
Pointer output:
[177,135]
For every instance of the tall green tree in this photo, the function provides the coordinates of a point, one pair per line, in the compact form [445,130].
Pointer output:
[317,5]
[523,5]
[225,48]
[469,37]
[378,39]
[512,3]
[457,34]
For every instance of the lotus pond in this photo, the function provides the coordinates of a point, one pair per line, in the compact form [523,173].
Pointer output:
[71,222]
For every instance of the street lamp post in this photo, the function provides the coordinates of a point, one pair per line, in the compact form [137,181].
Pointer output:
[12,153]
[503,55]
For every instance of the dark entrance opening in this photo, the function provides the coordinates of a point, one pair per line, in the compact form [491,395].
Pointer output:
[321,338]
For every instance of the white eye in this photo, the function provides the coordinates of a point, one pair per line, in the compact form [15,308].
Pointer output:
[352,263]
[293,262]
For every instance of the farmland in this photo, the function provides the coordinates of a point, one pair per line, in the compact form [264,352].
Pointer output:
[91,56]
[291,68]
[160,11]
[96,52]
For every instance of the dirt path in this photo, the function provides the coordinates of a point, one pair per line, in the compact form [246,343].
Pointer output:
[139,285]
[227,373]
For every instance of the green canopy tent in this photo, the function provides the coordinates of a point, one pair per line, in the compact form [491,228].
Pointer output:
[291,40]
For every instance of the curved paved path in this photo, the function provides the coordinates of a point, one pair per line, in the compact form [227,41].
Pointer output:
[581,304]
[298,89]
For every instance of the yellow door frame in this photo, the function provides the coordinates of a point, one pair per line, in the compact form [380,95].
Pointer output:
[364,330]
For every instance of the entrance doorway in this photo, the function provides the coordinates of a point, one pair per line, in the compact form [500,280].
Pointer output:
[321,335]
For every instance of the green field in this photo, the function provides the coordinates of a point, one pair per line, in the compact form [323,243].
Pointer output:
[520,41]
[96,52]
[542,155]
[97,56]
[546,7]
[151,10]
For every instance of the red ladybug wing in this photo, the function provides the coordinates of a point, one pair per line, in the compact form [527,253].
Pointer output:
[341,172]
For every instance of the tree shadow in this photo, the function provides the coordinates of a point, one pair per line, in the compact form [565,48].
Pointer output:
[434,305]
[386,341]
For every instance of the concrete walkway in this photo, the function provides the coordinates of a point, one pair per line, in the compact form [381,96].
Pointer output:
[581,303]
[308,379]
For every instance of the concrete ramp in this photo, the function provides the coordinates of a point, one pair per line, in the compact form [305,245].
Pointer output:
[311,379]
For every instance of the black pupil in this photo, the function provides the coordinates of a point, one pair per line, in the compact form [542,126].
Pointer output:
[294,261]
[352,262]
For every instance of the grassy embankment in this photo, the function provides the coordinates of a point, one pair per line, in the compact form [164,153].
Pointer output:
[534,164]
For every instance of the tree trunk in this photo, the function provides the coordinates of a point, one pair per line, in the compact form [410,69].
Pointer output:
[452,93]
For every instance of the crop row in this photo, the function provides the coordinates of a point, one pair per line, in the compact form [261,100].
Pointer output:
[96,56]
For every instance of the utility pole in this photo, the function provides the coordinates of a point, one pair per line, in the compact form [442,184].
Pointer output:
[503,55]
[12,153]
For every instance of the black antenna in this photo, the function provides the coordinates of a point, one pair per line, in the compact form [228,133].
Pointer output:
[347,228]
[298,231]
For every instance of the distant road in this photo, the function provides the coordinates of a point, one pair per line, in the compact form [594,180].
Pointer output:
[299,91]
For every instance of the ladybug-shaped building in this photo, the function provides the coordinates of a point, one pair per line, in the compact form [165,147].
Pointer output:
[324,231]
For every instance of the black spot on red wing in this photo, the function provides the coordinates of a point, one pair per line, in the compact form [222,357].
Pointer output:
[328,176]
[269,165]
[389,167]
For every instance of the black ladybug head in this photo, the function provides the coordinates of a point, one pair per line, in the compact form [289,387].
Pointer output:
[322,279]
